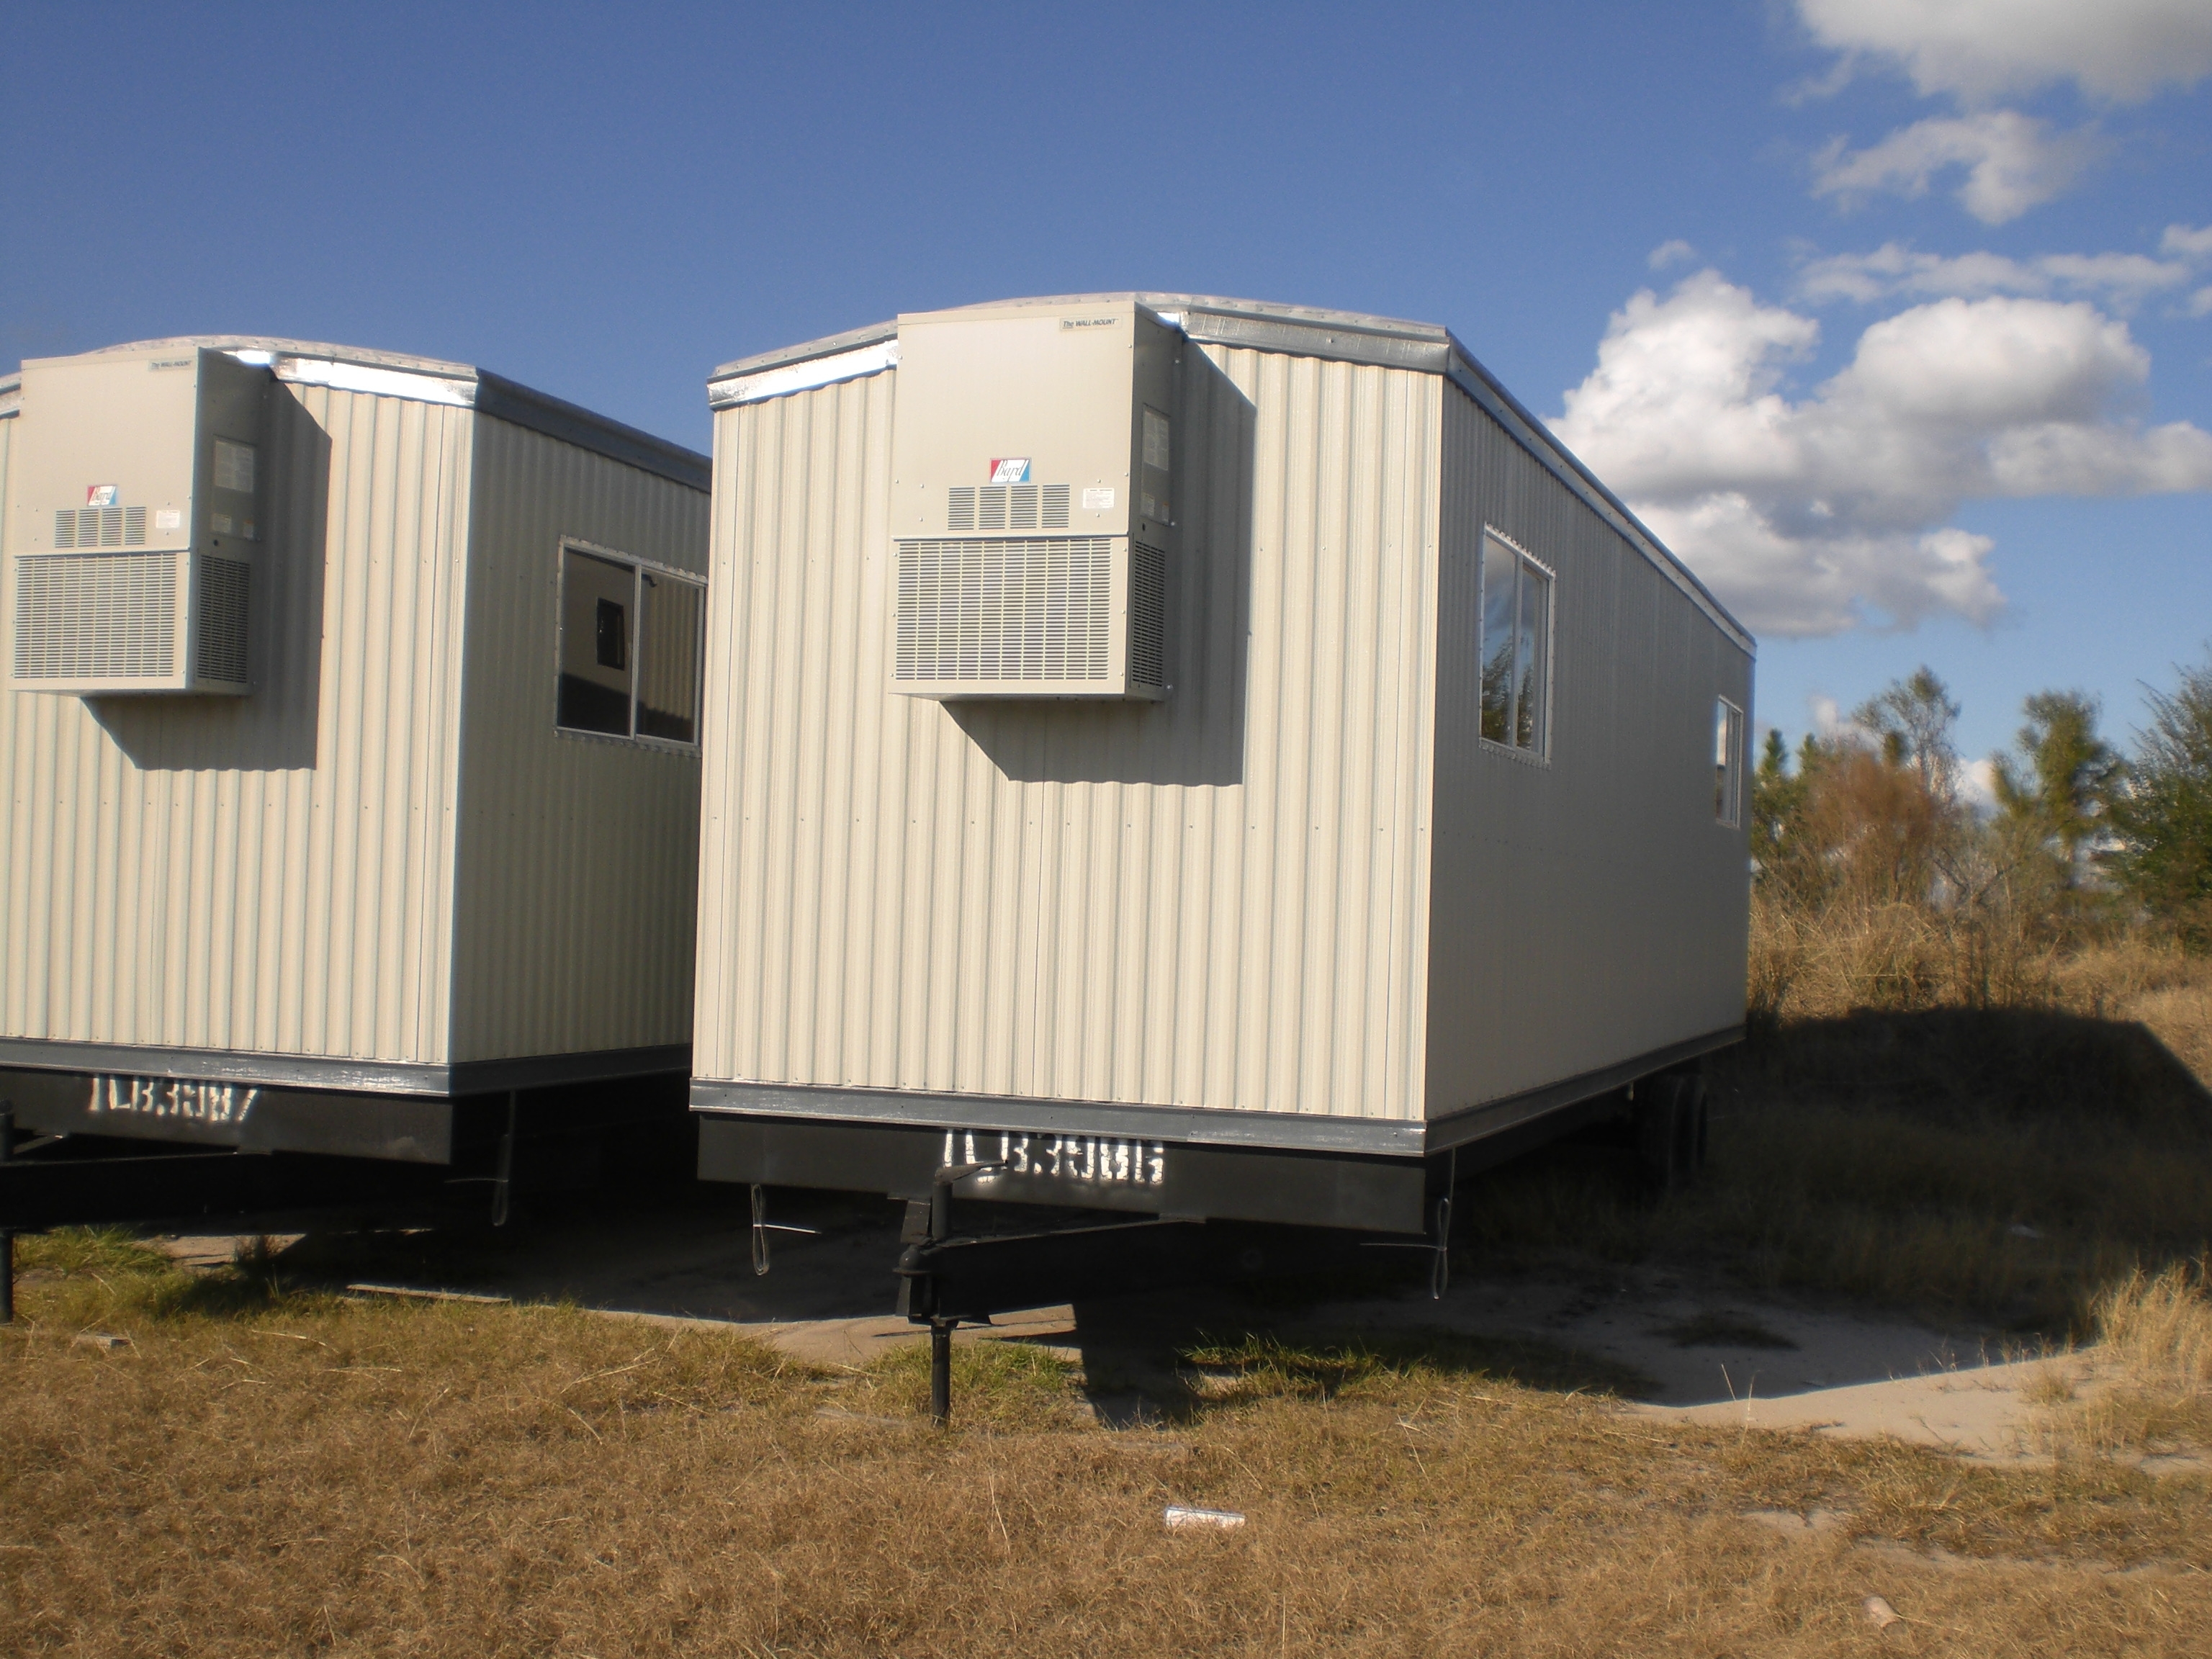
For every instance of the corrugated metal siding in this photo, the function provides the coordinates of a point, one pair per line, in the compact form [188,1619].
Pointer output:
[578,861]
[1215,902]
[269,874]
[1591,910]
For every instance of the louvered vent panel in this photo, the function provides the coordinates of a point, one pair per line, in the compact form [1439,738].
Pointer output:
[221,646]
[1148,572]
[1004,609]
[96,616]
[99,527]
[1005,506]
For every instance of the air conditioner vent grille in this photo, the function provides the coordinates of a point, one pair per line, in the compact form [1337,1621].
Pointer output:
[100,616]
[969,507]
[99,527]
[221,647]
[1004,609]
[1148,572]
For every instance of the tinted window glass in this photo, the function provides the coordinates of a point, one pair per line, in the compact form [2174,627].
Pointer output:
[1728,763]
[1500,565]
[669,632]
[597,598]
[1516,648]
[1529,678]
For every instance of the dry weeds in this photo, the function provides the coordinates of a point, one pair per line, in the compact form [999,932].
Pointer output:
[2146,1389]
[261,1472]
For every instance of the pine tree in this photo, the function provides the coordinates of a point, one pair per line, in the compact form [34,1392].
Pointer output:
[2060,788]
[2164,817]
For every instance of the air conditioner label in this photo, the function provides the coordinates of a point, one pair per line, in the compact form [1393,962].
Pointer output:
[168,518]
[1098,501]
[1013,468]
[99,494]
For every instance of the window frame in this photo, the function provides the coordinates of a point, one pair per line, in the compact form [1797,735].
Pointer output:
[1730,727]
[1540,753]
[639,567]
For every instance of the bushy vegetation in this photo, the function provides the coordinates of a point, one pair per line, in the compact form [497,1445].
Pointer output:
[1879,885]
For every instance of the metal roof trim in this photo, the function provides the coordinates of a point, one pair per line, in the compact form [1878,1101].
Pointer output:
[556,417]
[432,379]
[1308,331]
[11,394]
[806,351]
[805,375]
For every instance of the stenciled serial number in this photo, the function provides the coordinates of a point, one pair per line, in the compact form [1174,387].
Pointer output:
[1093,1160]
[172,1097]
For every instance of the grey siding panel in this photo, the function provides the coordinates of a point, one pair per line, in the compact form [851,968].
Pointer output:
[1217,902]
[273,872]
[1589,910]
[578,856]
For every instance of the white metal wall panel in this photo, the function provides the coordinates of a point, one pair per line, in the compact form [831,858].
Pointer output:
[269,872]
[1213,901]
[578,856]
[1590,910]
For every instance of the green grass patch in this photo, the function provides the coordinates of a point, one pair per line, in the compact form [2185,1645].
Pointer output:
[1260,1367]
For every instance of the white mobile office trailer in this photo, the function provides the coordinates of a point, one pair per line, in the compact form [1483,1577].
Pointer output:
[350,734]
[1194,756]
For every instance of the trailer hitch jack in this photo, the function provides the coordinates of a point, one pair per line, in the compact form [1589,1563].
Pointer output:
[929,1225]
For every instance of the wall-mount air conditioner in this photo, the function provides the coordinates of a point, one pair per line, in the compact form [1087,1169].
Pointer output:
[1033,519]
[135,520]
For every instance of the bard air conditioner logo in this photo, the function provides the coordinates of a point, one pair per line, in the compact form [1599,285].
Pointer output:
[1014,469]
[99,494]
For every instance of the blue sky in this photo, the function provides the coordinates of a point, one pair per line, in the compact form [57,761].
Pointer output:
[1915,376]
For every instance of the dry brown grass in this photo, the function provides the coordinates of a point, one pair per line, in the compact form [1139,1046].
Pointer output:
[2146,1389]
[1854,956]
[260,1473]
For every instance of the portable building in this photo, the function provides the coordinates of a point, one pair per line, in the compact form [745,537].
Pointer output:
[350,731]
[1192,756]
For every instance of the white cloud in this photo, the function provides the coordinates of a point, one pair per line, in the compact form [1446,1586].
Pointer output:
[1671,254]
[1979,50]
[2187,243]
[1820,514]
[2013,162]
[2200,303]
[2120,280]
[1978,786]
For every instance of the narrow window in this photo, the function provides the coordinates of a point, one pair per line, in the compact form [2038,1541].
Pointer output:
[632,648]
[671,619]
[597,597]
[1516,648]
[1727,763]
